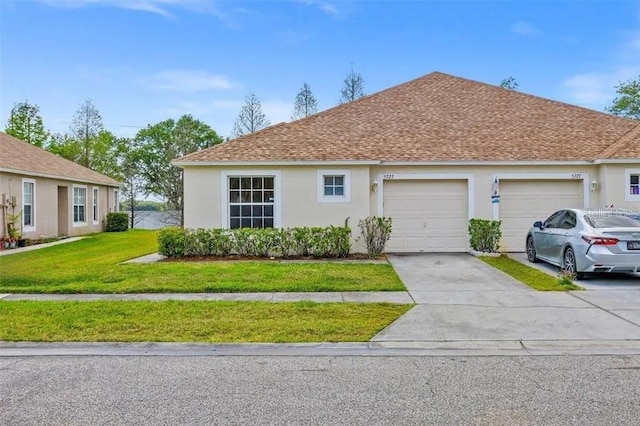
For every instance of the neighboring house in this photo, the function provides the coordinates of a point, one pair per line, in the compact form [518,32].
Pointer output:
[53,196]
[429,153]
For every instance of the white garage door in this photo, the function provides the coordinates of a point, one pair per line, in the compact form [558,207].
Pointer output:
[524,202]
[428,215]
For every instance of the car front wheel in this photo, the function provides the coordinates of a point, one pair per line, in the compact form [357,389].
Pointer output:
[531,251]
[569,264]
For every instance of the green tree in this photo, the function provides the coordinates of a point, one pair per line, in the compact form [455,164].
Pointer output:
[509,83]
[250,118]
[25,123]
[63,145]
[352,88]
[159,145]
[305,104]
[627,103]
[133,183]
[104,152]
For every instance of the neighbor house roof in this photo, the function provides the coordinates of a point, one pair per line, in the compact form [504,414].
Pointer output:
[21,157]
[439,117]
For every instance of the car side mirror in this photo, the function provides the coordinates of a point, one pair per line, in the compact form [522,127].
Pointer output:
[538,225]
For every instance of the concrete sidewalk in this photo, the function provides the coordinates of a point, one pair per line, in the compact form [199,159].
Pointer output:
[401,297]
[8,252]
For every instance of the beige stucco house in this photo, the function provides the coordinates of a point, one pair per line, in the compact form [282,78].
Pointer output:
[51,195]
[431,153]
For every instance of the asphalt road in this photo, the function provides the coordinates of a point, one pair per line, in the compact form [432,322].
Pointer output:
[580,390]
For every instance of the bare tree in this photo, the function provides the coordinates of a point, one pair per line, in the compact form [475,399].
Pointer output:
[306,104]
[353,87]
[251,118]
[85,128]
[509,83]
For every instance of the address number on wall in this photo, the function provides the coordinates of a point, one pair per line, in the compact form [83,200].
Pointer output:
[576,175]
[388,177]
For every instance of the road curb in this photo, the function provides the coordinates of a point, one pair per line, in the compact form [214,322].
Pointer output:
[431,348]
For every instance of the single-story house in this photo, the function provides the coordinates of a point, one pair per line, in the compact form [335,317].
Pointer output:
[431,154]
[52,196]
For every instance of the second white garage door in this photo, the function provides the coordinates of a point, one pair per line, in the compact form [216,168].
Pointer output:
[428,215]
[524,202]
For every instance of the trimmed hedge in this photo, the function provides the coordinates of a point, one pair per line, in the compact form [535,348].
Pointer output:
[484,235]
[117,222]
[331,241]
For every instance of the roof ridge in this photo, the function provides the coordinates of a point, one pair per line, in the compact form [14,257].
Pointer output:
[620,143]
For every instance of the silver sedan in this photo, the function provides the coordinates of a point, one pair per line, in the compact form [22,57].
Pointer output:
[583,241]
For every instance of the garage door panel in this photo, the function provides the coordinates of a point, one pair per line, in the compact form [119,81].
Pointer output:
[524,202]
[427,215]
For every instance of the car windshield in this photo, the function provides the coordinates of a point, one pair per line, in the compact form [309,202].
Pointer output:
[613,221]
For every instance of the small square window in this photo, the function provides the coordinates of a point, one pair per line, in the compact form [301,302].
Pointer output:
[234,211]
[234,183]
[632,185]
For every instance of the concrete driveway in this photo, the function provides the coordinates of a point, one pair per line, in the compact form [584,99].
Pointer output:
[593,282]
[460,298]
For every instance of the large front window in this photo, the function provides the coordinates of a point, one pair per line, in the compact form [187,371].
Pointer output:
[79,204]
[28,192]
[251,202]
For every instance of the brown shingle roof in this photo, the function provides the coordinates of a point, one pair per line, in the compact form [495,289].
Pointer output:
[20,156]
[439,117]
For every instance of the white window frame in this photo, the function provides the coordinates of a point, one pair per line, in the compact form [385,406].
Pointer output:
[32,227]
[73,205]
[345,198]
[627,185]
[95,206]
[277,193]
[116,201]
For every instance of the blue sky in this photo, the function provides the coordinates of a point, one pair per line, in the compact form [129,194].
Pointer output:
[144,61]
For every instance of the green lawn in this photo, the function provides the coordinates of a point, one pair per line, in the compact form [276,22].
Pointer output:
[92,265]
[530,276]
[193,321]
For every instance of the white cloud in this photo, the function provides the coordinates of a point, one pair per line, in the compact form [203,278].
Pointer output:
[524,28]
[325,6]
[597,89]
[161,7]
[187,81]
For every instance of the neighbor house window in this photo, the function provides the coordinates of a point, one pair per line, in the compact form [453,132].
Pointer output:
[334,186]
[115,200]
[251,201]
[95,206]
[632,185]
[28,205]
[79,205]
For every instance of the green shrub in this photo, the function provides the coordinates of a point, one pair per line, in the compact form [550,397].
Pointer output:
[286,242]
[171,242]
[222,242]
[255,242]
[375,231]
[302,241]
[484,235]
[117,222]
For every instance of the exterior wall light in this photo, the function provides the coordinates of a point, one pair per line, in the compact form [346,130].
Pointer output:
[594,185]
[374,186]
